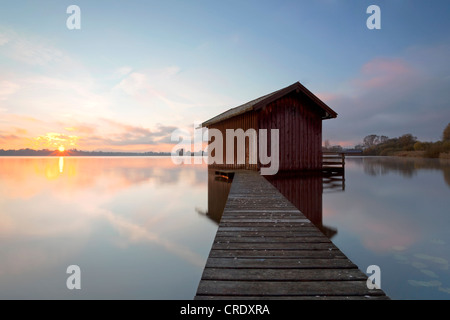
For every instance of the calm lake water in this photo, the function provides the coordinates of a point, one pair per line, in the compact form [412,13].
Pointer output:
[134,226]
[138,228]
[395,213]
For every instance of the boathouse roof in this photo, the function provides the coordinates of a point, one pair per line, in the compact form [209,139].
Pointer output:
[256,104]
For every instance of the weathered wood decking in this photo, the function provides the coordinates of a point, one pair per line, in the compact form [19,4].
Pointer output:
[265,248]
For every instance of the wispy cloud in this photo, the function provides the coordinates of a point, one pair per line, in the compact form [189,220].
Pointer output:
[81,128]
[30,50]
[7,138]
[3,39]
[393,96]
[115,133]
[133,84]
[123,71]
[382,72]
[7,88]
[65,96]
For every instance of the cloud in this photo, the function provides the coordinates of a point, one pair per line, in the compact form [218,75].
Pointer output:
[54,140]
[8,138]
[151,86]
[21,131]
[171,71]
[7,88]
[81,129]
[393,96]
[66,97]
[383,72]
[115,133]
[46,97]
[133,83]
[29,50]
[4,39]
[56,84]
[123,71]
[100,134]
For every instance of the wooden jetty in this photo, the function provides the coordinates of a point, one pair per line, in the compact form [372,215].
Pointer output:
[333,162]
[333,170]
[265,248]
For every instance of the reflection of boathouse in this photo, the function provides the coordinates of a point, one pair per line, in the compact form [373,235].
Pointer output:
[219,185]
[303,190]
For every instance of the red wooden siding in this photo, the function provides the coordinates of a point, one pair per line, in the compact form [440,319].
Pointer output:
[244,121]
[300,131]
[304,191]
[299,122]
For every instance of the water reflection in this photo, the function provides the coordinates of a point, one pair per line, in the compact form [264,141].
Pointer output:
[303,190]
[61,164]
[406,167]
[218,188]
[26,176]
[394,213]
[108,215]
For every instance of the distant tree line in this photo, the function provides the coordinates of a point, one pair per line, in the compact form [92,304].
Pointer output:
[78,153]
[384,146]
[327,147]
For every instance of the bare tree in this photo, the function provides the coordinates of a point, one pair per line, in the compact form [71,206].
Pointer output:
[446,133]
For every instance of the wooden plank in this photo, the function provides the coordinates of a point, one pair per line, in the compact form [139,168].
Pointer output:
[263,214]
[273,217]
[274,263]
[332,163]
[262,220]
[262,211]
[277,229]
[335,254]
[271,246]
[296,239]
[283,274]
[249,205]
[258,233]
[262,224]
[282,288]
[339,297]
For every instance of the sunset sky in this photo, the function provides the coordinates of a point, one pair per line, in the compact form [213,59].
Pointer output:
[137,70]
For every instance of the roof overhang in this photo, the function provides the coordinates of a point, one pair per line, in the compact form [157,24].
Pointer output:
[263,101]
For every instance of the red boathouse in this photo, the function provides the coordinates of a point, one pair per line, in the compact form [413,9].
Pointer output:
[295,111]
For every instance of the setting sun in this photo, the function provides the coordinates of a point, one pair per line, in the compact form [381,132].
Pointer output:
[61,149]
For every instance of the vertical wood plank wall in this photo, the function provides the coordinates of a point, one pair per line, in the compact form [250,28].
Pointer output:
[300,133]
[300,130]
[244,121]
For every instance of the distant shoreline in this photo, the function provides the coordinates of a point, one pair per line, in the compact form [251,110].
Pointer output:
[77,153]
[49,153]
[419,154]
[81,156]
